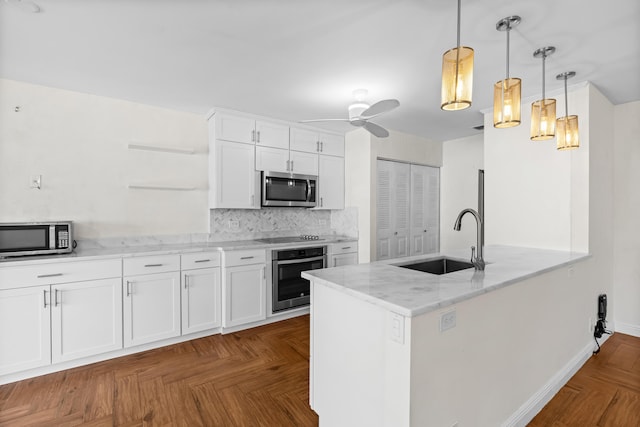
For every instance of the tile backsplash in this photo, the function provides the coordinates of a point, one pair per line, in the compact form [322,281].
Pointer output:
[242,224]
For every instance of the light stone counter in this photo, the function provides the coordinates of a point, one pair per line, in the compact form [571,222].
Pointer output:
[412,293]
[93,252]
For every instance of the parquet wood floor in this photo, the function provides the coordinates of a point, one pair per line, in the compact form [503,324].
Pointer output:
[604,392]
[260,377]
[257,377]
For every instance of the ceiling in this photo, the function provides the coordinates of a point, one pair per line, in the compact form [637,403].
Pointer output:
[302,59]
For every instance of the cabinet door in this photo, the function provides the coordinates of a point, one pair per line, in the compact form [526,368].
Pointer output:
[200,300]
[344,259]
[272,135]
[392,209]
[25,322]
[332,145]
[151,308]
[235,128]
[304,140]
[272,159]
[244,294]
[86,318]
[331,182]
[425,210]
[303,163]
[234,177]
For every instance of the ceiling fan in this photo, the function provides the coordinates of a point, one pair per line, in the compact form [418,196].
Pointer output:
[361,112]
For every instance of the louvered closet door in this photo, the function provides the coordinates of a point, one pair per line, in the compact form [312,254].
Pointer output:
[425,210]
[392,210]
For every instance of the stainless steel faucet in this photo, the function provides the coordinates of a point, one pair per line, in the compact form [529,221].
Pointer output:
[476,259]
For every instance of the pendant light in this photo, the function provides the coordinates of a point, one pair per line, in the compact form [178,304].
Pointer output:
[543,112]
[457,76]
[567,126]
[506,93]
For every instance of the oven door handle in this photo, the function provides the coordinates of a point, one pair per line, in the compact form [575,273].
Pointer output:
[301,260]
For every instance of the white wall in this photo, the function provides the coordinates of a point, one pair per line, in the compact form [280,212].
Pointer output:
[361,153]
[626,224]
[461,159]
[78,143]
[532,190]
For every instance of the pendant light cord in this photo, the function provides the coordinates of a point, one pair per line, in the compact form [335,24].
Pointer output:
[458,25]
[544,58]
[508,31]
[566,102]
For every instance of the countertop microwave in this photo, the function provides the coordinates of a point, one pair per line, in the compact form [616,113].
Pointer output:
[35,238]
[289,189]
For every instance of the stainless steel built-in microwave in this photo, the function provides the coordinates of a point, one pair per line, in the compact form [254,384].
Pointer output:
[35,238]
[288,189]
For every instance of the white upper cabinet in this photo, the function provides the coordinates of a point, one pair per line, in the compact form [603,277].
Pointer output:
[272,135]
[304,163]
[316,142]
[233,180]
[235,128]
[330,182]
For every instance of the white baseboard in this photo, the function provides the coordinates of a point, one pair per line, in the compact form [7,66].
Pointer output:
[538,400]
[628,329]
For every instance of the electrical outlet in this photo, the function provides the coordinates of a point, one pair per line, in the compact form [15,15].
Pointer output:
[448,320]
[397,328]
[234,224]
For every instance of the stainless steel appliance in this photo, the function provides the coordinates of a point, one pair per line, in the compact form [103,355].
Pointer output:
[289,288]
[288,189]
[35,238]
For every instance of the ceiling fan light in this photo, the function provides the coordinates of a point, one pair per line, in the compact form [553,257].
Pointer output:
[543,119]
[506,103]
[567,133]
[356,109]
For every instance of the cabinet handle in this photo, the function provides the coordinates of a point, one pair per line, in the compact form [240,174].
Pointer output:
[253,136]
[186,281]
[288,161]
[45,299]
[318,146]
[153,265]
[291,165]
[346,247]
[321,147]
[321,201]
[42,276]
[128,288]
[55,298]
[247,257]
[264,273]
[252,200]
[258,137]
[202,260]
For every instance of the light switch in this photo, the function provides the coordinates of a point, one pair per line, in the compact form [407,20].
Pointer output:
[397,328]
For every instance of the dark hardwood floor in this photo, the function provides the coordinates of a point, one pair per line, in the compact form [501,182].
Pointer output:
[604,392]
[260,377]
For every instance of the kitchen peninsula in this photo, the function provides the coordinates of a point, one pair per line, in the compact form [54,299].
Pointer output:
[392,346]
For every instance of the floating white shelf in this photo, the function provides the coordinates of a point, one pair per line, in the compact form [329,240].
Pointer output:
[159,187]
[177,150]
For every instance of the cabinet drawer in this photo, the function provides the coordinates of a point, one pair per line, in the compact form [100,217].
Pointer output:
[257,256]
[59,272]
[150,264]
[200,260]
[344,248]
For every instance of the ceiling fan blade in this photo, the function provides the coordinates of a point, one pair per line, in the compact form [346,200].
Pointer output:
[376,130]
[323,120]
[379,108]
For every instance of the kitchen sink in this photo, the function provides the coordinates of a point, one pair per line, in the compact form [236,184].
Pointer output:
[438,266]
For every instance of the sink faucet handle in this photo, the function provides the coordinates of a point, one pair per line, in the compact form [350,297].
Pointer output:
[473,253]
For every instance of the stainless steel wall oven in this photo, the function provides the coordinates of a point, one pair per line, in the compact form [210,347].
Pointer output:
[289,288]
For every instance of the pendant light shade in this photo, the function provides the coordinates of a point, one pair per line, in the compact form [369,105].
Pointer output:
[506,93]
[567,126]
[457,76]
[543,111]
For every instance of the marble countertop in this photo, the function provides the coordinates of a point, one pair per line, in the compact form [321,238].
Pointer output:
[412,293]
[166,249]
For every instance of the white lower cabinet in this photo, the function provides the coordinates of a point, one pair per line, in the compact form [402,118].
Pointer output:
[244,287]
[343,254]
[86,319]
[151,302]
[25,324]
[201,293]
